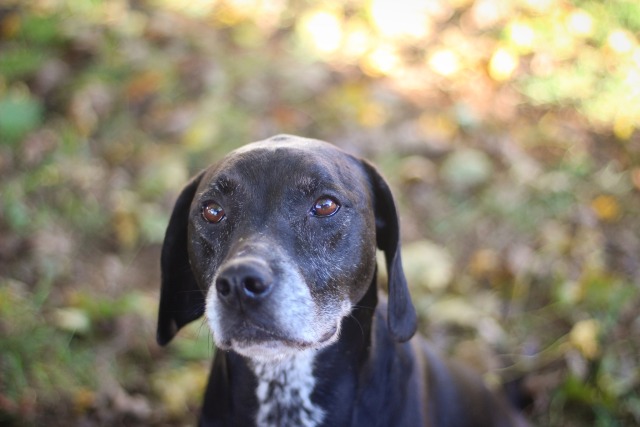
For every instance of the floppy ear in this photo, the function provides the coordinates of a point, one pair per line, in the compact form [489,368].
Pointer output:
[181,299]
[401,315]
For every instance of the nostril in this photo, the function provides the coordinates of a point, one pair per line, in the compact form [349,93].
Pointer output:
[223,286]
[254,286]
[243,281]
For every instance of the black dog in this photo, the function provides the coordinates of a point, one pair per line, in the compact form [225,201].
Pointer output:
[276,245]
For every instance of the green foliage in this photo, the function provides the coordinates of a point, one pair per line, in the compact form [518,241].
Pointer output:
[41,30]
[18,62]
[15,211]
[19,114]
[48,361]
[626,12]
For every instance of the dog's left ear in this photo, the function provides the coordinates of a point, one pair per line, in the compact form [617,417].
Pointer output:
[181,299]
[401,313]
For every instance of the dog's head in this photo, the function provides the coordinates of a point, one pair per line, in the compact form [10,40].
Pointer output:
[275,244]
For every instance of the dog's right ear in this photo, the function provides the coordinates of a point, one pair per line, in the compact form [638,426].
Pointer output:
[181,299]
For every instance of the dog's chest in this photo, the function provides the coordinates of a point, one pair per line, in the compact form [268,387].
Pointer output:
[284,392]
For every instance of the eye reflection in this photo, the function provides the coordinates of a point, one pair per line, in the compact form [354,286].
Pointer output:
[325,207]
[212,212]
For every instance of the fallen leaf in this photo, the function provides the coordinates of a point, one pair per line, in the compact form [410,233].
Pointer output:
[71,319]
[606,208]
[428,265]
[584,336]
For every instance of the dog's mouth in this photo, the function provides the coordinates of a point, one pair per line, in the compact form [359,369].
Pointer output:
[252,339]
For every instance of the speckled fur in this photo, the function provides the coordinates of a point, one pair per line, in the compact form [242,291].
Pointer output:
[284,392]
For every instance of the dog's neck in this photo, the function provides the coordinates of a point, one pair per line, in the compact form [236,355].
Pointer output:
[284,387]
[284,391]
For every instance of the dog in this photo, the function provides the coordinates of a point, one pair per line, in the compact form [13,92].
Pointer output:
[276,245]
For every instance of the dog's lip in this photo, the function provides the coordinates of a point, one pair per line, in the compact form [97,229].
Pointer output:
[329,334]
[250,334]
[263,335]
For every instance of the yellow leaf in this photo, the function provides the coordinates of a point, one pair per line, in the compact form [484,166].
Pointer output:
[484,262]
[372,115]
[10,25]
[181,387]
[200,134]
[584,336]
[623,127]
[126,228]
[83,400]
[72,319]
[227,15]
[440,127]
[428,264]
[606,208]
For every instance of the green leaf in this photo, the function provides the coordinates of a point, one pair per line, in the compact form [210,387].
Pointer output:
[18,62]
[41,29]
[19,114]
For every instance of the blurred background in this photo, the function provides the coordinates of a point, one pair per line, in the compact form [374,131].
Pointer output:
[507,129]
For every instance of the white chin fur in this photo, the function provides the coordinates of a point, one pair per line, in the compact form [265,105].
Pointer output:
[276,350]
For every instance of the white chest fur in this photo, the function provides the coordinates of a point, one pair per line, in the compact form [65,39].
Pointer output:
[284,392]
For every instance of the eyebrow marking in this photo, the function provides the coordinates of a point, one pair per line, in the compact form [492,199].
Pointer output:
[225,185]
[307,185]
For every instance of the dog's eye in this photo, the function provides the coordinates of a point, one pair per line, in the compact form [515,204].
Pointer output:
[212,212]
[325,206]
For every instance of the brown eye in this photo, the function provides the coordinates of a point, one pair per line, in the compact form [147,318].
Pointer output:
[324,206]
[212,212]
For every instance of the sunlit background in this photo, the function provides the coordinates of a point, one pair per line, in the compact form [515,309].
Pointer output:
[509,131]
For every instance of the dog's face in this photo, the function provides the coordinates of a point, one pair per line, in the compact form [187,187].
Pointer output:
[281,237]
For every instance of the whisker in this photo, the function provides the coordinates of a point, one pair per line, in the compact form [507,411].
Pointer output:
[203,323]
[358,323]
[363,307]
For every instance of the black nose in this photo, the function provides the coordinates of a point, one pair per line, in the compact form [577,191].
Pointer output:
[246,280]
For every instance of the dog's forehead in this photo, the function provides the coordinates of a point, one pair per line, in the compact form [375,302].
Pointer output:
[289,147]
[288,142]
[288,157]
